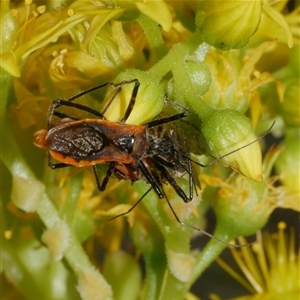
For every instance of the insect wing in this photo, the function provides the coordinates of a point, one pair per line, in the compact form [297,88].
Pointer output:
[188,135]
[92,141]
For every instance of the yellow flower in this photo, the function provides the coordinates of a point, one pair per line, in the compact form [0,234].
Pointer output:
[235,82]
[270,266]
[28,28]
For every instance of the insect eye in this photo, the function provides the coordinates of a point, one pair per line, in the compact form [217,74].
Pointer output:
[125,143]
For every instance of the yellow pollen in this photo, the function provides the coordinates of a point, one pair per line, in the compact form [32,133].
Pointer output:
[281,225]
[41,9]
[71,12]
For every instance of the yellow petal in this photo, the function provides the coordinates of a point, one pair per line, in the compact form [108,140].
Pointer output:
[157,11]
[9,64]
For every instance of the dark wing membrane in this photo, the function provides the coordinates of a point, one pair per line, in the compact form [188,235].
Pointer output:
[76,139]
[189,136]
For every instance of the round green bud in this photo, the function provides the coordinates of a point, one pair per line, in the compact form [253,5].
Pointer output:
[228,24]
[149,101]
[191,80]
[229,136]
[242,208]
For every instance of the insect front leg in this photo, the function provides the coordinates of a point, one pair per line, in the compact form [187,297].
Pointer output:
[60,102]
[132,101]
[109,172]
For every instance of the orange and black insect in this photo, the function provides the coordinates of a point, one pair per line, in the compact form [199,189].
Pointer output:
[132,152]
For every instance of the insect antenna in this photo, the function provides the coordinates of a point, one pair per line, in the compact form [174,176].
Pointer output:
[178,220]
[227,154]
[132,207]
[201,230]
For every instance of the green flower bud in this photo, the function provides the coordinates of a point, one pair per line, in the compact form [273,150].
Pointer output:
[288,163]
[149,101]
[199,75]
[228,130]
[228,24]
[290,107]
[242,208]
[191,80]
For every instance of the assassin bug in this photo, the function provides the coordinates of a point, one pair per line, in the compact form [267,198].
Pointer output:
[132,152]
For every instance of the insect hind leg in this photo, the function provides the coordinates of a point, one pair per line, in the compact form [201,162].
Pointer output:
[179,191]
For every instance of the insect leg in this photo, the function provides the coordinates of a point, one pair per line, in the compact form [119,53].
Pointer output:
[63,115]
[118,90]
[96,176]
[201,230]
[89,91]
[132,207]
[191,180]
[132,101]
[173,183]
[99,87]
[118,87]
[107,176]
[167,119]
[151,180]
[60,102]
[56,165]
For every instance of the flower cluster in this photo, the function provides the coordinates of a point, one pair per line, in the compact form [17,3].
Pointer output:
[233,64]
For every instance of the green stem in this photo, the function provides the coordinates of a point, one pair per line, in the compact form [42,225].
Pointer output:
[14,161]
[4,5]
[70,207]
[20,273]
[175,61]
[208,255]
[173,288]
[154,35]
